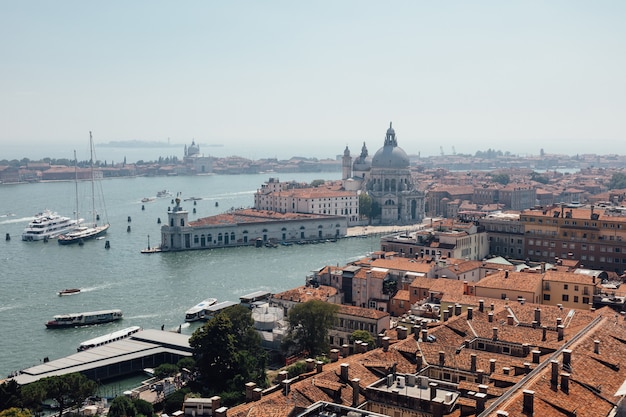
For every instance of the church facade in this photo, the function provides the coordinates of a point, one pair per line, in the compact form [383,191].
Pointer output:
[386,178]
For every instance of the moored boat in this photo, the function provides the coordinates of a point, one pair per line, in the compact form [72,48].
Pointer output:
[84,319]
[197,312]
[47,225]
[108,338]
[69,291]
[164,193]
[86,231]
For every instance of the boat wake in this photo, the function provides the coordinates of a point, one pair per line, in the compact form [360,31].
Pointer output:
[142,316]
[19,220]
[7,308]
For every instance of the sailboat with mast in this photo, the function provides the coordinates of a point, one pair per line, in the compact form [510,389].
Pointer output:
[91,230]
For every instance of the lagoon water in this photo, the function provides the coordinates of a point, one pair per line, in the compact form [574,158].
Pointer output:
[152,290]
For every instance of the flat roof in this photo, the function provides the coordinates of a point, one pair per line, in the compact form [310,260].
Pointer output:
[141,344]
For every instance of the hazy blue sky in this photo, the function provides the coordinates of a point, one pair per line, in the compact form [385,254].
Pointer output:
[283,78]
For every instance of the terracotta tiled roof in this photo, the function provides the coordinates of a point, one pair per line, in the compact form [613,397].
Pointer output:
[520,281]
[361,312]
[303,294]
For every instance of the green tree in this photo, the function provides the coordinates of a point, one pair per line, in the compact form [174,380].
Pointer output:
[308,327]
[165,370]
[618,181]
[15,412]
[363,336]
[365,205]
[122,406]
[228,351]
[10,395]
[503,179]
[68,390]
[317,183]
[143,407]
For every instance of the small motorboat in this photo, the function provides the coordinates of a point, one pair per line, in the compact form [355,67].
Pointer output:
[69,291]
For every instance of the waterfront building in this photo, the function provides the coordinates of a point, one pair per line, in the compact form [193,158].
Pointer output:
[246,227]
[386,178]
[596,236]
[292,197]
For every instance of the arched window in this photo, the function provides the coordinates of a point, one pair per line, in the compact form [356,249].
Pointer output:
[182,222]
[171,222]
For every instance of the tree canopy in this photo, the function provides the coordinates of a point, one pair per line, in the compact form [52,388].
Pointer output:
[68,390]
[308,327]
[228,351]
[363,336]
[618,181]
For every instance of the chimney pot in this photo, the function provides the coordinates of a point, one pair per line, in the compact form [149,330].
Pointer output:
[554,377]
[529,397]
[345,369]
[495,333]
[536,356]
[481,305]
[470,313]
[565,382]
[355,391]
[386,343]
[596,346]
[492,366]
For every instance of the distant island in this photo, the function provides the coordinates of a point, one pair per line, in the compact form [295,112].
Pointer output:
[152,144]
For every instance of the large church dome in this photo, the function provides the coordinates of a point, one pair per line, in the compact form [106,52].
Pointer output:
[391,155]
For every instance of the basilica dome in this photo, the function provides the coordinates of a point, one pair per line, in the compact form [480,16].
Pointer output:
[391,155]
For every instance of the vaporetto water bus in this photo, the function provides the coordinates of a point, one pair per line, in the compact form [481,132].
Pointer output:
[108,338]
[84,319]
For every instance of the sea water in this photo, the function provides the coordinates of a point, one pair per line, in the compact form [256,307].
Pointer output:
[152,290]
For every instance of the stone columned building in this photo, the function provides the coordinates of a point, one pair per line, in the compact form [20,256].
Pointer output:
[386,177]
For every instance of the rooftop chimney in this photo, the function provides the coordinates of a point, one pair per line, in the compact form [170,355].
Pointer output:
[386,343]
[559,330]
[480,398]
[446,314]
[220,412]
[470,313]
[416,332]
[492,366]
[355,391]
[536,356]
[544,333]
[319,366]
[554,377]
[216,402]
[596,346]
[345,349]
[250,386]
[473,362]
[495,333]
[442,358]
[565,382]
[481,305]
[490,317]
[310,364]
[492,306]
[424,334]
[257,393]
[528,406]
[345,368]
[457,309]
[419,360]
[334,355]
[567,358]
[433,390]
[538,316]
[402,331]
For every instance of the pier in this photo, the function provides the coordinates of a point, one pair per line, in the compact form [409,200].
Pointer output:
[145,349]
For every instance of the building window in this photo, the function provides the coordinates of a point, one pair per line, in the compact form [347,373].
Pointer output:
[565,286]
[565,297]
[575,298]
[585,300]
[546,297]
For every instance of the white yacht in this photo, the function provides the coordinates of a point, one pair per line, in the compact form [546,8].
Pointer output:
[47,225]
[197,312]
